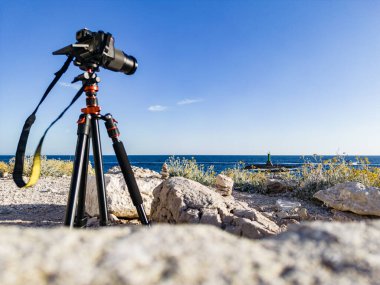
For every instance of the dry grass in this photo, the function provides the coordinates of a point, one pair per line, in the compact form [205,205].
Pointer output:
[246,180]
[189,168]
[49,167]
[4,168]
[323,174]
[310,178]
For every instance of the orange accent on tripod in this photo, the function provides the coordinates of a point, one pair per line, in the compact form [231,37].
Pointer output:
[91,88]
[91,110]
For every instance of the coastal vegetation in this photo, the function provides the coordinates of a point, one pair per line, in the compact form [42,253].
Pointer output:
[311,177]
[322,174]
[189,168]
[49,167]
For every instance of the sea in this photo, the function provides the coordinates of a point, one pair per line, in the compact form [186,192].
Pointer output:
[220,162]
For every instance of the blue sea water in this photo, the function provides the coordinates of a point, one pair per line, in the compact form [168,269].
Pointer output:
[220,162]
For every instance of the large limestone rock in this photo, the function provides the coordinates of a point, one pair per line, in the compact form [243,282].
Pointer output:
[137,171]
[352,196]
[317,253]
[118,198]
[180,200]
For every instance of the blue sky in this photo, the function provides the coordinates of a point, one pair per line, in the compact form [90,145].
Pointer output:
[214,77]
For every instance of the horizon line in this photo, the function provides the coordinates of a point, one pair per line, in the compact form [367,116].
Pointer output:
[346,154]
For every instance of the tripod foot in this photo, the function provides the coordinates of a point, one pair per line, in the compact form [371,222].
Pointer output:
[126,169]
[142,215]
[80,223]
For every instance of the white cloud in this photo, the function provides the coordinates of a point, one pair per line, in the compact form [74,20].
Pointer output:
[189,101]
[74,86]
[157,108]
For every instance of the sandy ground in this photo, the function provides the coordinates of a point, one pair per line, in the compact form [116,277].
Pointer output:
[40,206]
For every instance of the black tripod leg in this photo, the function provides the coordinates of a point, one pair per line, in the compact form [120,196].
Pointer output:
[99,174]
[80,218]
[76,179]
[122,158]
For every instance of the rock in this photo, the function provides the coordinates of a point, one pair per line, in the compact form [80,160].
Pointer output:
[287,206]
[4,174]
[290,210]
[92,222]
[180,200]
[353,197]
[224,185]
[164,171]
[312,253]
[274,186]
[347,216]
[287,209]
[118,198]
[137,171]
[303,214]
[113,218]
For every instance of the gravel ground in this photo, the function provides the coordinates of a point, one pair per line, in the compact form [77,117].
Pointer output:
[266,203]
[44,205]
[40,206]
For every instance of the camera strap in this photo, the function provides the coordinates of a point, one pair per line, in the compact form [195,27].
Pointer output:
[21,147]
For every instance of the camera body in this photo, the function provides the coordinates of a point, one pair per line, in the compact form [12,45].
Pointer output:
[94,49]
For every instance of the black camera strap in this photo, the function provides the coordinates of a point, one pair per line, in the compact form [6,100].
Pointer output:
[21,147]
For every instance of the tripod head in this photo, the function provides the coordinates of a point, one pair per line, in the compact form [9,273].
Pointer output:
[97,49]
[88,77]
[90,82]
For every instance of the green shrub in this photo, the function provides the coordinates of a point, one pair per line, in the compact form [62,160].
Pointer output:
[246,180]
[189,168]
[310,178]
[326,173]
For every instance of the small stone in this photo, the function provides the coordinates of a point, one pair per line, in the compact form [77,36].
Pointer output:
[287,206]
[164,171]
[92,222]
[4,174]
[47,189]
[113,218]
[282,215]
[134,222]
[288,210]
[304,215]
[224,185]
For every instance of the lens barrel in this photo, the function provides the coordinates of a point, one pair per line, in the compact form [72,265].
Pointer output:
[122,63]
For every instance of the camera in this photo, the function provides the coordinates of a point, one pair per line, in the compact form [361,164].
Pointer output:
[94,49]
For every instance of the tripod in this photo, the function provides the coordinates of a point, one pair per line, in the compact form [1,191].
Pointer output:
[88,127]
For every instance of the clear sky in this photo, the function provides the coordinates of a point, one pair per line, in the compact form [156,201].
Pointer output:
[214,77]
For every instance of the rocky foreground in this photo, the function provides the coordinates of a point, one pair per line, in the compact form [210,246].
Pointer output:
[230,237]
[313,253]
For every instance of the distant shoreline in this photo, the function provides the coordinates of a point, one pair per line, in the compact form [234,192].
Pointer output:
[219,162]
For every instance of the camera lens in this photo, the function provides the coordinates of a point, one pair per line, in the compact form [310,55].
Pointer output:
[122,63]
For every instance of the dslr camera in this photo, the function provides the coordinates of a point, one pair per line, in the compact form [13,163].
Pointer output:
[94,49]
